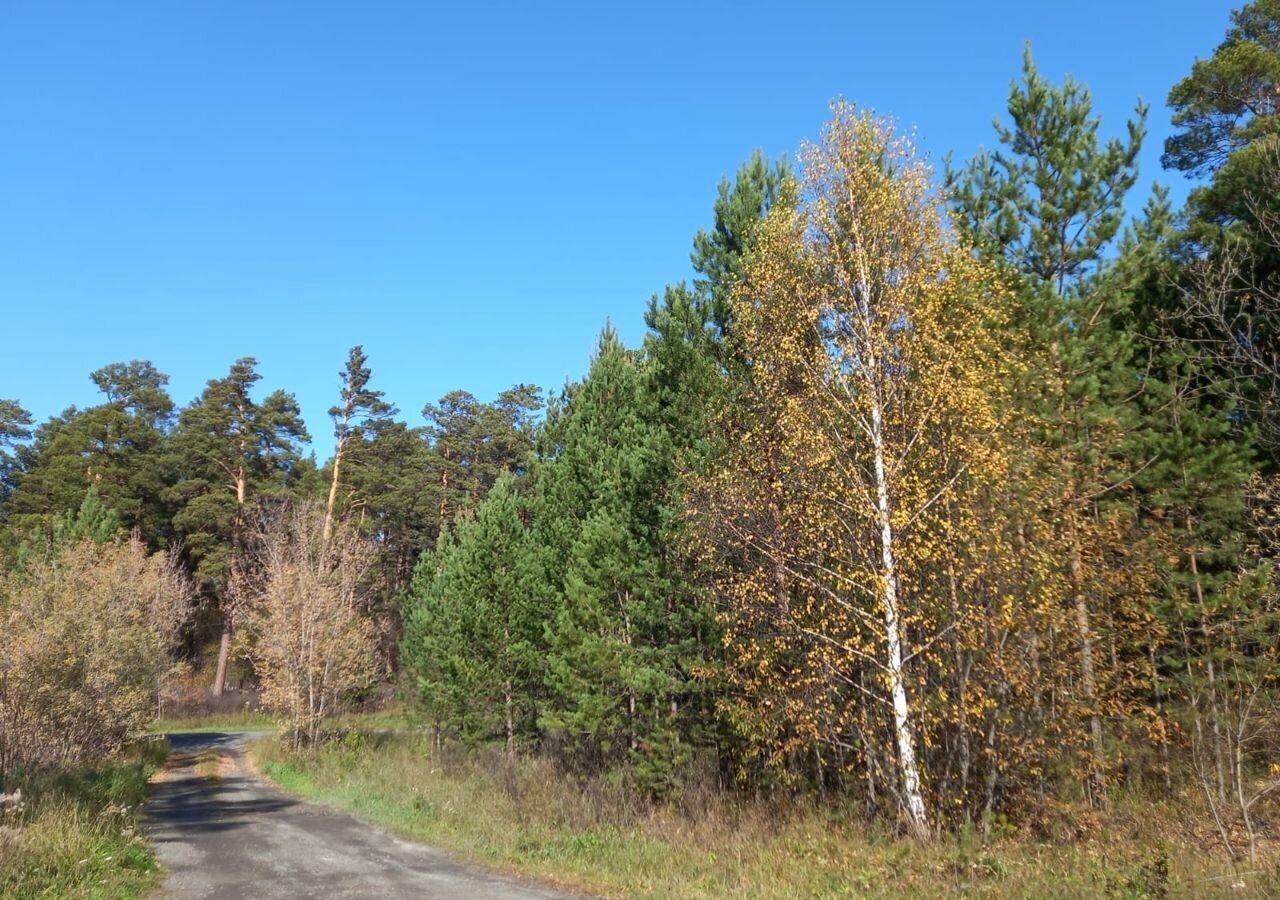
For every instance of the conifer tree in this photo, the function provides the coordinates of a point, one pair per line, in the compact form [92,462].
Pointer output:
[232,449]
[719,255]
[623,643]
[15,426]
[119,447]
[360,411]
[1226,113]
[395,489]
[1048,206]
[475,627]
[1227,136]
[93,520]
[1197,462]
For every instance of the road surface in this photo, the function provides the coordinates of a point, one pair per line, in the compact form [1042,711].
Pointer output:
[225,834]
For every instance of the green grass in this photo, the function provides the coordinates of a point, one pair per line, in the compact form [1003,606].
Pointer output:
[75,835]
[391,719]
[524,817]
[236,721]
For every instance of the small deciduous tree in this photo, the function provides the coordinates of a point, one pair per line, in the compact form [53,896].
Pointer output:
[302,602]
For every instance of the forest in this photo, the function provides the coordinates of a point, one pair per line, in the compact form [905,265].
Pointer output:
[944,496]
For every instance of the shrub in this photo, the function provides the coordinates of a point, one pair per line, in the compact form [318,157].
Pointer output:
[88,628]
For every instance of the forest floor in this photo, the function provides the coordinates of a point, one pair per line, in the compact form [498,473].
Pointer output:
[525,817]
[222,833]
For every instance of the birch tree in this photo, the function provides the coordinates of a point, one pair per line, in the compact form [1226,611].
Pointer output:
[868,333]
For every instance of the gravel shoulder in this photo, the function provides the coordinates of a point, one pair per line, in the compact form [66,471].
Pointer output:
[222,833]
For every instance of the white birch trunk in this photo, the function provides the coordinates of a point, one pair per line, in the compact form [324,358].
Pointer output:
[909,768]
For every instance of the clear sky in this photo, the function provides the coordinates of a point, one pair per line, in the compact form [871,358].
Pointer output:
[467,189]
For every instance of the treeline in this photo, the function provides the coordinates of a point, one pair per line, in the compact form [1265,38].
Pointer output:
[950,495]
[190,477]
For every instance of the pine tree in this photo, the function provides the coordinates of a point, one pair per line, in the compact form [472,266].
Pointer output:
[231,449]
[720,254]
[15,426]
[1226,113]
[395,490]
[93,520]
[475,626]
[119,447]
[1227,121]
[691,361]
[1048,207]
[1191,489]
[453,426]
[623,641]
[362,410]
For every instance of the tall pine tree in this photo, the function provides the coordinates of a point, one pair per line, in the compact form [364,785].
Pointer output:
[232,449]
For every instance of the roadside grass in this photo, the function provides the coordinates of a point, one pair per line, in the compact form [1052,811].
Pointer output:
[247,720]
[526,817]
[390,719]
[74,834]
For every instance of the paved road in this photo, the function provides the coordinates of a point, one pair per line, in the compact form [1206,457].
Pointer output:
[234,837]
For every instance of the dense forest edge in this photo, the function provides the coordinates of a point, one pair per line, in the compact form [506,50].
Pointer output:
[927,543]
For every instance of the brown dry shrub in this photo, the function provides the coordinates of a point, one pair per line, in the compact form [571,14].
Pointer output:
[302,603]
[88,631]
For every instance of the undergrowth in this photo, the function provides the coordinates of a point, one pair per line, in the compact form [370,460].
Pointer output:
[73,834]
[525,816]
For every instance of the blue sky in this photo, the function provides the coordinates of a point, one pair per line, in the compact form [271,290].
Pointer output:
[469,190]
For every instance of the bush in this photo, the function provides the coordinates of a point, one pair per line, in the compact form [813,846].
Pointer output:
[88,628]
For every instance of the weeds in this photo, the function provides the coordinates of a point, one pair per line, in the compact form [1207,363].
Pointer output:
[73,834]
[598,834]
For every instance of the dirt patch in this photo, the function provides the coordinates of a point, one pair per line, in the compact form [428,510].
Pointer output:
[172,767]
[210,763]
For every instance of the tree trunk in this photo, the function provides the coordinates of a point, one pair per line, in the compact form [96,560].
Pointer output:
[224,647]
[224,654]
[1096,782]
[444,488]
[333,493]
[511,725]
[507,694]
[1215,712]
[909,770]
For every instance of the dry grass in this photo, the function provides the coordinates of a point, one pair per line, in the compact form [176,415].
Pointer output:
[526,817]
[74,835]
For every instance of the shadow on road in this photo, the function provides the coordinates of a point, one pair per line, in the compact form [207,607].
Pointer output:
[184,803]
[222,833]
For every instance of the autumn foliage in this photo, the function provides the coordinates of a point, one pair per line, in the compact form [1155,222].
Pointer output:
[88,632]
[301,598]
[858,569]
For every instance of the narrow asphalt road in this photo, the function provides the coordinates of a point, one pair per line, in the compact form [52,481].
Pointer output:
[232,836]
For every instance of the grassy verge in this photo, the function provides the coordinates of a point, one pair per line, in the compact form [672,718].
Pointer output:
[524,817]
[74,837]
[236,721]
[391,719]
